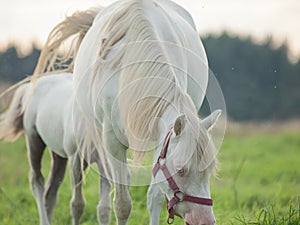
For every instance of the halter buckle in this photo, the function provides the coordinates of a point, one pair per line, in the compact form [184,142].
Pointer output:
[179,195]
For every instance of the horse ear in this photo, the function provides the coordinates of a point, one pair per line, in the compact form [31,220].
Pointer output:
[211,120]
[179,125]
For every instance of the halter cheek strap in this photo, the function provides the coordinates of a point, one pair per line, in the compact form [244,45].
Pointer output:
[178,195]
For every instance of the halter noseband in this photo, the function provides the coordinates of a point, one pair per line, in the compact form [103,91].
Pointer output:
[179,195]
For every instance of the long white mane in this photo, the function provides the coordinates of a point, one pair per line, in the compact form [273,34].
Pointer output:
[147,81]
[148,84]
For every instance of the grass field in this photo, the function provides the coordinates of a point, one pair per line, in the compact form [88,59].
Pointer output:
[258,183]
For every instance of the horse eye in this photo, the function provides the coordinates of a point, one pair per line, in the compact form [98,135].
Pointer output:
[180,171]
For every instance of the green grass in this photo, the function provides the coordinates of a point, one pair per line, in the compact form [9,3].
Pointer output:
[258,183]
[269,216]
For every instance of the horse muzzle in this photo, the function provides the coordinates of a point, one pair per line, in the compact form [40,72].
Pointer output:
[199,219]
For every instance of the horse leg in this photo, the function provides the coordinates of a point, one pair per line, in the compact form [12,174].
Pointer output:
[155,202]
[36,147]
[77,201]
[104,206]
[58,170]
[120,174]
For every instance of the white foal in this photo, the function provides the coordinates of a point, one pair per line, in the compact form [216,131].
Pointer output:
[48,118]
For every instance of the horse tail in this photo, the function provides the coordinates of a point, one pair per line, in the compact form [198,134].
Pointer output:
[11,121]
[74,26]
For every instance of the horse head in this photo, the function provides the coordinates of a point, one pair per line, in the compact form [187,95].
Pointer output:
[183,168]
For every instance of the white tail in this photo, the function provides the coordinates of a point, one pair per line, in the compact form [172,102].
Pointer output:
[11,121]
[75,26]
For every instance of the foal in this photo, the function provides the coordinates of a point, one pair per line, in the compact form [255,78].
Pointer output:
[48,118]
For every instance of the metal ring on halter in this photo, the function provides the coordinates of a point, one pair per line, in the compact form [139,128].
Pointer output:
[181,195]
[170,220]
[162,161]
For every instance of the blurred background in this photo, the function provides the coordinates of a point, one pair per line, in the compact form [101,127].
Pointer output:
[253,48]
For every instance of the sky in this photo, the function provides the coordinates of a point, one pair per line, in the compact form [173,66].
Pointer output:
[22,21]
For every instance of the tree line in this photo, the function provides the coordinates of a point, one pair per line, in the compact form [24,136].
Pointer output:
[258,81]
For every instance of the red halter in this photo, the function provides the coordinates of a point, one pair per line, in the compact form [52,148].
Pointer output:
[179,195]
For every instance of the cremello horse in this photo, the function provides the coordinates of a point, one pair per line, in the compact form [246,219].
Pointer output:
[48,118]
[140,76]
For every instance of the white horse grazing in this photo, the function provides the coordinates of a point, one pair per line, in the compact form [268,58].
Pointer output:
[141,75]
[48,118]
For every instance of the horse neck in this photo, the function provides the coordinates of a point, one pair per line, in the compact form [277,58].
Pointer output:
[182,105]
[164,124]
[167,120]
